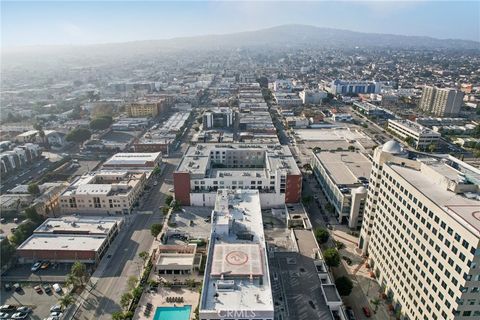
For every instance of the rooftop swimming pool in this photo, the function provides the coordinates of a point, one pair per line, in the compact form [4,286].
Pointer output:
[173,313]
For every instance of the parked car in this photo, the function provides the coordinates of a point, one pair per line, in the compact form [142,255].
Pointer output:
[20,315]
[56,314]
[350,314]
[36,266]
[24,309]
[47,288]
[57,288]
[17,287]
[4,315]
[56,308]
[367,312]
[38,289]
[7,307]
[7,286]
[45,265]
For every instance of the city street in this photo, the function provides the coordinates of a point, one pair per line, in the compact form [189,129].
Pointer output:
[101,299]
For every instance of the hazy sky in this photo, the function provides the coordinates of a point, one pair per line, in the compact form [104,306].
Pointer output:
[84,22]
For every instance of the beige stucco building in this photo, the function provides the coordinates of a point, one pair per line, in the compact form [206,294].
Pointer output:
[421,233]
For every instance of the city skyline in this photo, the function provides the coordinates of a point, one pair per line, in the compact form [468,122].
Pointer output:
[90,22]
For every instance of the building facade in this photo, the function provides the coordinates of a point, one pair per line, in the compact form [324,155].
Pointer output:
[205,168]
[421,233]
[442,102]
[103,192]
[343,177]
[354,87]
[421,136]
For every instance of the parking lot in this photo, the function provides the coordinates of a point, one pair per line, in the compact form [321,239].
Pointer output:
[39,303]
[191,221]
[22,273]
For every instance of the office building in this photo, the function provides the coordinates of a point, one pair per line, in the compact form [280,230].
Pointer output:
[441,102]
[236,284]
[103,192]
[344,176]
[354,87]
[205,168]
[69,239]
[287,99]
[420,136]
[218,118]
[312,97]
[421,233]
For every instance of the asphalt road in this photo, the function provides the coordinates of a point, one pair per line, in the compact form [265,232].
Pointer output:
[110,280]
[30,173]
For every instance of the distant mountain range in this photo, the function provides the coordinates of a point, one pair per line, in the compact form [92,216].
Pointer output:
[304,35]
[285,36]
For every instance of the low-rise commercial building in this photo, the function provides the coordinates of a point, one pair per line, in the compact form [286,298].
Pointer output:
[134,161]
[287,99]
[421,136]
[205,168]
[421,233]
[176,259]
[103,192]
[344,177]
[69,239]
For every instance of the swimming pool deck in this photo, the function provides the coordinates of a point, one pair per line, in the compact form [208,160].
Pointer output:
[159,299]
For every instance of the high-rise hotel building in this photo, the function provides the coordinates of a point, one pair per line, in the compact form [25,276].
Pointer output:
[421,233]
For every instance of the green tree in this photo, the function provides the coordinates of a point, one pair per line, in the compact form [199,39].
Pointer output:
[144,256]
[132,282]
[78,135]
[66,300]
[32,215]
[306,200]
[409,141]
[156,170]
[33,189]
[7,251]
[165,210]
[168,200]
[344,285]
[332,257]
[432,147]
[23,231]
[79,272]
[155,229]
[101,123]
[118,315]
[125,300]
[322,235]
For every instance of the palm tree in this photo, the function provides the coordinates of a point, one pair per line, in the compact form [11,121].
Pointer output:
[66,300]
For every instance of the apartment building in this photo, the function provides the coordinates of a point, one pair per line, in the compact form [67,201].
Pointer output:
[205,168]
[441,101]
[236,284]
[18,158]
[354,87]
[421,233]
[344,176]
[103,192]
[421,136]
[146,108]
[287,99]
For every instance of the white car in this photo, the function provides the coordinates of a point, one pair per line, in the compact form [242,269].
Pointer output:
[4,315]
[19,315]
[24,309]
[57,288]
[56,314]
[36,266]
[56,308]
[171,190]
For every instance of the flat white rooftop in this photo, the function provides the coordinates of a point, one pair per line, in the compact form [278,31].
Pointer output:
[236,273]
[335,134]
[132,159]
[463,209]
[79,225]
[345,167]
[63,242]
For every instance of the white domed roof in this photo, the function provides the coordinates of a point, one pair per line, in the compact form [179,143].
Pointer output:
[360,189]
[393,147]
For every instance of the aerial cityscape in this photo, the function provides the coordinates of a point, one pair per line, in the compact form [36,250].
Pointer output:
[240,160]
